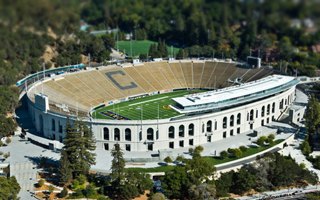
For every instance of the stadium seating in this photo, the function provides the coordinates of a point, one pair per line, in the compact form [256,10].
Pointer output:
[93,87]
[177,71]
[188,73]
[197,73]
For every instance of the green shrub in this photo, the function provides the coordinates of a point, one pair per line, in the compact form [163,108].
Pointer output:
[237,153]
[261,140]
[40,183]
[63,193]
[243,148]
[223,154]
[51,188]
[168,159]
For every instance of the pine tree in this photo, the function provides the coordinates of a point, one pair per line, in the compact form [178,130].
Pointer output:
[79,144]
[65,169]
[118,164]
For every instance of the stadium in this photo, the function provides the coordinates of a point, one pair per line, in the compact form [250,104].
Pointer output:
[163,105]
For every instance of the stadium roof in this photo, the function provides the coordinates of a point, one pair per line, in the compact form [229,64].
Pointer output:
[233,92]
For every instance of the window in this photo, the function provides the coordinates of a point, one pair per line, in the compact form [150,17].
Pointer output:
[128,147]
[127,134]
[140,135]
[106,133]
[191,129]
[209,126]
[53,125]
[224,124]
[157,134]
[268,109]
[262,111]
[150,134]
[231,132]
[231,120]
[209,138]
[171,132]
[171,145]
[257,114]
[251,114]
[181,143]
[268,120]
[191,142]
[262,122]
[106,146]
[202,128]
[215,125]
[150,147]
[60,128]
[238,130]
[224,134]
[273,107]
[281,104]
[239,118]
[181,131]
[117,134]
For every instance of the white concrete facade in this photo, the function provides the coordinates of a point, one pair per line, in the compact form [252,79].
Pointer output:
[159,135]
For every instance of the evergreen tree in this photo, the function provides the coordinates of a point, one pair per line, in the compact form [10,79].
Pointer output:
[312,115]
[65,168]
[79,144]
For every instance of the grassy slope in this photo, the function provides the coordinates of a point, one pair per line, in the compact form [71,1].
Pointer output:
[213,160]
[139,47]
[149,105]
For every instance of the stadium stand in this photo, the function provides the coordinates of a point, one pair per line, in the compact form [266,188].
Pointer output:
[177,71]
[188,73]
[197,73]
[93,87]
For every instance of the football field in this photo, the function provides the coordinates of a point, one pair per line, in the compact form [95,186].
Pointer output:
[149,107]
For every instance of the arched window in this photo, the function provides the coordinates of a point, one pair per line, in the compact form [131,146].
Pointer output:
[239,118]
[171,132]
[106,133]
[181,131]
[127,134]
[273,107]
[251,114]
[268,109]
[224,123]
[209,126]
[150,134]
[231,120]
[191,129]
[262,111]
[117,134]
[53,125]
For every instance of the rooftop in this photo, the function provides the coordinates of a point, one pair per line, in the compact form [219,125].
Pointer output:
[233,92]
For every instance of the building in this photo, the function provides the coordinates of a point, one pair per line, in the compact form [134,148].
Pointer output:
[224,112]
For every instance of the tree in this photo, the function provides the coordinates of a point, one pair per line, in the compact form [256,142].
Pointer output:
[305,147]
[312,115]
[126,185]
[202,191]
[9,188]
[40,183]
[65,168]
[242,181]
[63,193]
[158,196]
[78,147]
[261,140]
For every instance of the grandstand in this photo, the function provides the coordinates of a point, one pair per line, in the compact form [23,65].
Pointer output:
[137,105]
[95,87]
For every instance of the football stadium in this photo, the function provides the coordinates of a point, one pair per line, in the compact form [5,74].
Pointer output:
[163,105]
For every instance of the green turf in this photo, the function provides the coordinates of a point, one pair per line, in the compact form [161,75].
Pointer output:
[146,107]
[139,47]
[213,160]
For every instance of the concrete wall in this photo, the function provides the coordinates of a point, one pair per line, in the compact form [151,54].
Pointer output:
[52,125]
